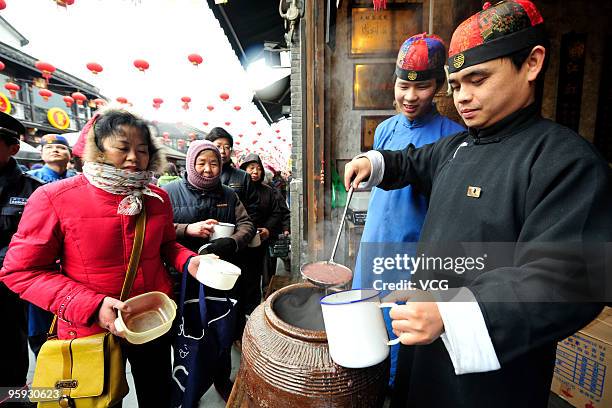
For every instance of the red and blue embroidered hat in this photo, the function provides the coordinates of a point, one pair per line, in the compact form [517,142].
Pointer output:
[53,139]
[495,32]
[420,58]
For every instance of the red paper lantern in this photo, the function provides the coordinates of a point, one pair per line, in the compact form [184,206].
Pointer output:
[228,123]
[253,122]
[240,135]
[157,102]
[195,59]
[45,93]
[94,67]
[186,101]
[224,96]
[210,107]
[99,102]
[237,142]
[254,141]
[142,65]
[79,98]
[64,3]
[2,4]
[68,100]
[278,137]
[46,69]
[2,66]
[12,88]
[121,99]
[258,133]
[277,130]
[205,123]
[237,108]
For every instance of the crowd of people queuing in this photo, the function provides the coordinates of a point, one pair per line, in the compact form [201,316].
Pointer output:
[66,251]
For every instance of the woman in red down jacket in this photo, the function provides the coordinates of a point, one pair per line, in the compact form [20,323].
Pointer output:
[88,223]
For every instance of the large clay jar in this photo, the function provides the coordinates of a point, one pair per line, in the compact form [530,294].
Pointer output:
[287,366]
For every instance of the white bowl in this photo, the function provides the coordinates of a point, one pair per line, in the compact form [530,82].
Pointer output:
[217,273]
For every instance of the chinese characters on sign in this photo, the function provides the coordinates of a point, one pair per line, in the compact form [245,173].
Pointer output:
[571,73]
[383,32]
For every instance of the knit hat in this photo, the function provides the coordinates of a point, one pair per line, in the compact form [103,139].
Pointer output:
[420,58]
[54,139]
[10,129]
[495,32]
[193,177]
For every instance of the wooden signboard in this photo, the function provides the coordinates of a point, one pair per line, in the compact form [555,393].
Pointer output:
[373,85]
[571,73]
[381,33]
[368,127]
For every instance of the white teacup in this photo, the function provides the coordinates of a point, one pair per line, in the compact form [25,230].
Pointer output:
[355,327]
[222,230]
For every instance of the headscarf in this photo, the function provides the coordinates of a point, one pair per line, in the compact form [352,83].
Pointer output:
[193,177]
[116,181]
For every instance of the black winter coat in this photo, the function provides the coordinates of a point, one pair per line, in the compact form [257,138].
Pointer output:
[15,188]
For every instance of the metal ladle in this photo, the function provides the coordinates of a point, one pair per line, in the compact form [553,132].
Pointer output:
[318,280]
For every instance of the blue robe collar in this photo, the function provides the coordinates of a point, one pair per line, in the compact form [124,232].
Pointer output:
[421,120]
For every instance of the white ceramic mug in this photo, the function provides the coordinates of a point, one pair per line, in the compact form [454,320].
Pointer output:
[222,230]
[355,327]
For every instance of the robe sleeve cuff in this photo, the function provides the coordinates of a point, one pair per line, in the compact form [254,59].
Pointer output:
[466,337]
[378,168]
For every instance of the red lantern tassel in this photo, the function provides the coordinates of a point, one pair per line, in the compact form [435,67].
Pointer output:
[380,4]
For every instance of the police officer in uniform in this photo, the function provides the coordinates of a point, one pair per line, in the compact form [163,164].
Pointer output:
[15,188]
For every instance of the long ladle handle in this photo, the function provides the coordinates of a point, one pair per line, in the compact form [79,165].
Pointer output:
[348,200]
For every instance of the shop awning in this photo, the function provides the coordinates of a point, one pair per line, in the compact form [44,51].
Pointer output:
[27,153]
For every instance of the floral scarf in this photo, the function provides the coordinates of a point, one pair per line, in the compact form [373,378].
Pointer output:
[116,181]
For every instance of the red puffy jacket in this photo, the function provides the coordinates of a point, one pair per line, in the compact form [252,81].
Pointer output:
[75,222]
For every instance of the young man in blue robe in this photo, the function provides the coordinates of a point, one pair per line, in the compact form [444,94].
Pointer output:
[396,216]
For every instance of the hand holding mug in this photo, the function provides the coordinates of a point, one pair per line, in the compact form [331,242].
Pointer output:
[201,229]
[417,322]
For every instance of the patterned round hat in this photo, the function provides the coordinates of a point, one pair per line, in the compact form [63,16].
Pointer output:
[420,58]
[54,139]
[494,32]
